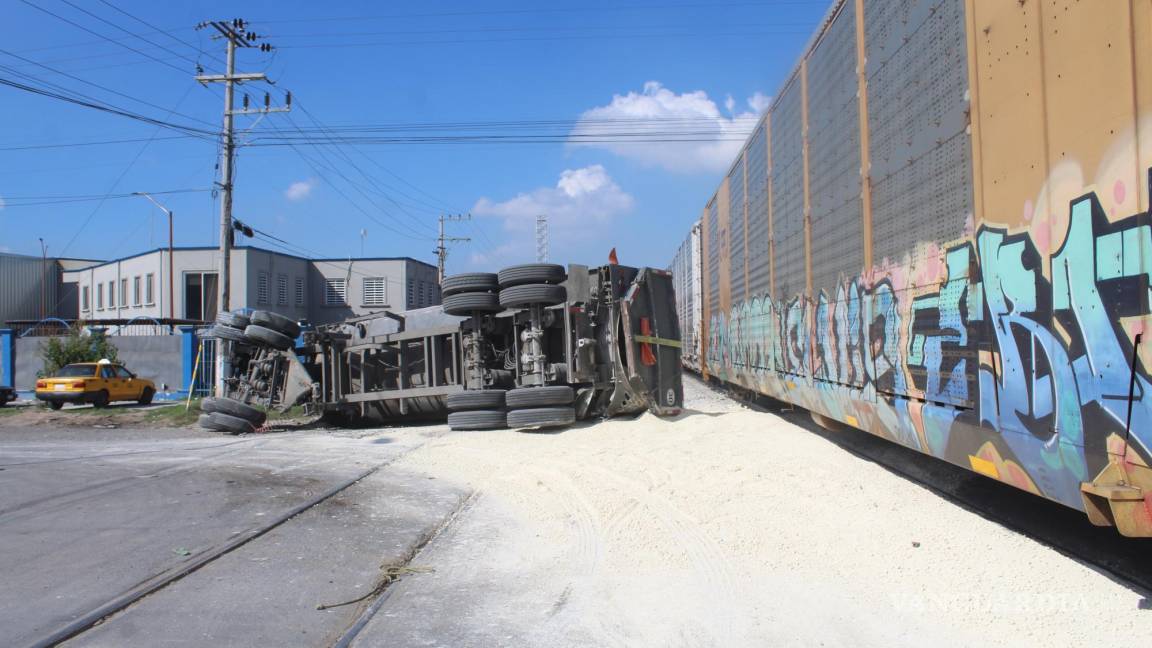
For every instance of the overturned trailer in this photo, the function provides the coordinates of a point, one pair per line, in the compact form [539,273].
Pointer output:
[533,346]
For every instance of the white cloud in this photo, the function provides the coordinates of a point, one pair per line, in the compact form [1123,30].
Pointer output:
[665,115]
[298,191]
[582,201]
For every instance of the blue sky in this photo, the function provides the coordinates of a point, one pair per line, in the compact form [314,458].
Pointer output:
[517,70]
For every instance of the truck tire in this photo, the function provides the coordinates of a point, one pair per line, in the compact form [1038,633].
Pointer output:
[532,273]
[528,294]
[527,397]
[258,334]
[478,420]
[233,320]
[230,424]
[469,282]
[541,417]
[233,407]
[476,399]
[465,304]
[227,333]
[277,322]
[205,421]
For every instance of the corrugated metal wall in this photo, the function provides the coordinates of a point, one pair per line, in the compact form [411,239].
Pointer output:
[21,280]
[834,156]
[917,70]
[758,266]
[788,192]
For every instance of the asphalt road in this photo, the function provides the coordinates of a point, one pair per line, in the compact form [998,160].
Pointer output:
[89,517]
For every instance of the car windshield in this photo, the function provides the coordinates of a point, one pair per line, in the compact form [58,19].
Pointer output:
[75,371]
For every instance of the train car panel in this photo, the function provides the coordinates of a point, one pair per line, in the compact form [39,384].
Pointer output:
[991,303]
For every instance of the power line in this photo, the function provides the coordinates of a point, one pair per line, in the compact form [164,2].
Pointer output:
[29,201]
[95,85]
[119,178]
[33,147]
[102,36]
[200,51]
[106,108]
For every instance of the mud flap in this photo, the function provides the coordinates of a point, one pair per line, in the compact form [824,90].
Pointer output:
[652,340]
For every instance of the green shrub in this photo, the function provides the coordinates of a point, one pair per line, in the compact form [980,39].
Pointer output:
[77,346]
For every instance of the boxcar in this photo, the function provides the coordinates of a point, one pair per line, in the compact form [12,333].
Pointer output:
[939,233]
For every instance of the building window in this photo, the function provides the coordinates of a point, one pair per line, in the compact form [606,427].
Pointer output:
[335,292]
[124,292]
[282,289]
[136,290]
[111,294]
[374,294]
[262,288]
[299,291]
[150,289]
[84,299]
[410,302]
[100,296]
[200,292]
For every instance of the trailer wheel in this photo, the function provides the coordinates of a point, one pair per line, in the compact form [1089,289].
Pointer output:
[227,333]
[469,282]
[528,294]
[478,420]
[541,417]
[525,397]
[276,322]
[532,273]
[228,423]
[476,399]
[208,423]
[465,304]
[235,408]
[266,336]
[233,320]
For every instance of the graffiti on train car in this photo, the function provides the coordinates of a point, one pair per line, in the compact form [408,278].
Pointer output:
[1003,360]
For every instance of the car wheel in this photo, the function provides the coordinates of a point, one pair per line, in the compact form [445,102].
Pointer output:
[528,294]
[478,420]
[469,282]
[541,417]
[259,334]
[146,396]
[100,399]
[55,405]
[465,304]
[233,407]
[532,273]
[526,397]
[476,399]
[276,322]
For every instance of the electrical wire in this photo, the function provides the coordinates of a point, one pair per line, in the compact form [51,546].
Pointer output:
[107,108]
[29,201]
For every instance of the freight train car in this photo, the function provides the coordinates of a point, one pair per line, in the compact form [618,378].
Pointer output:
[939,233]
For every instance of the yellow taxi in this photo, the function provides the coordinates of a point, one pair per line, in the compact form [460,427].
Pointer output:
[98,383]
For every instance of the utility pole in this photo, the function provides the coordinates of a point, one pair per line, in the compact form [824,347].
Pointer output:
[541,238]
[236,37]
[441,241]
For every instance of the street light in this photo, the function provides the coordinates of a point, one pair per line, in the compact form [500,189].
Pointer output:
[171,263]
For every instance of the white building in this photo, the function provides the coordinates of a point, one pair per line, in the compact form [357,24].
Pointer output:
[316,290]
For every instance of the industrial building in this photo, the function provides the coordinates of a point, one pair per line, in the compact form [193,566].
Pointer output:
[32,287]
[184,285]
